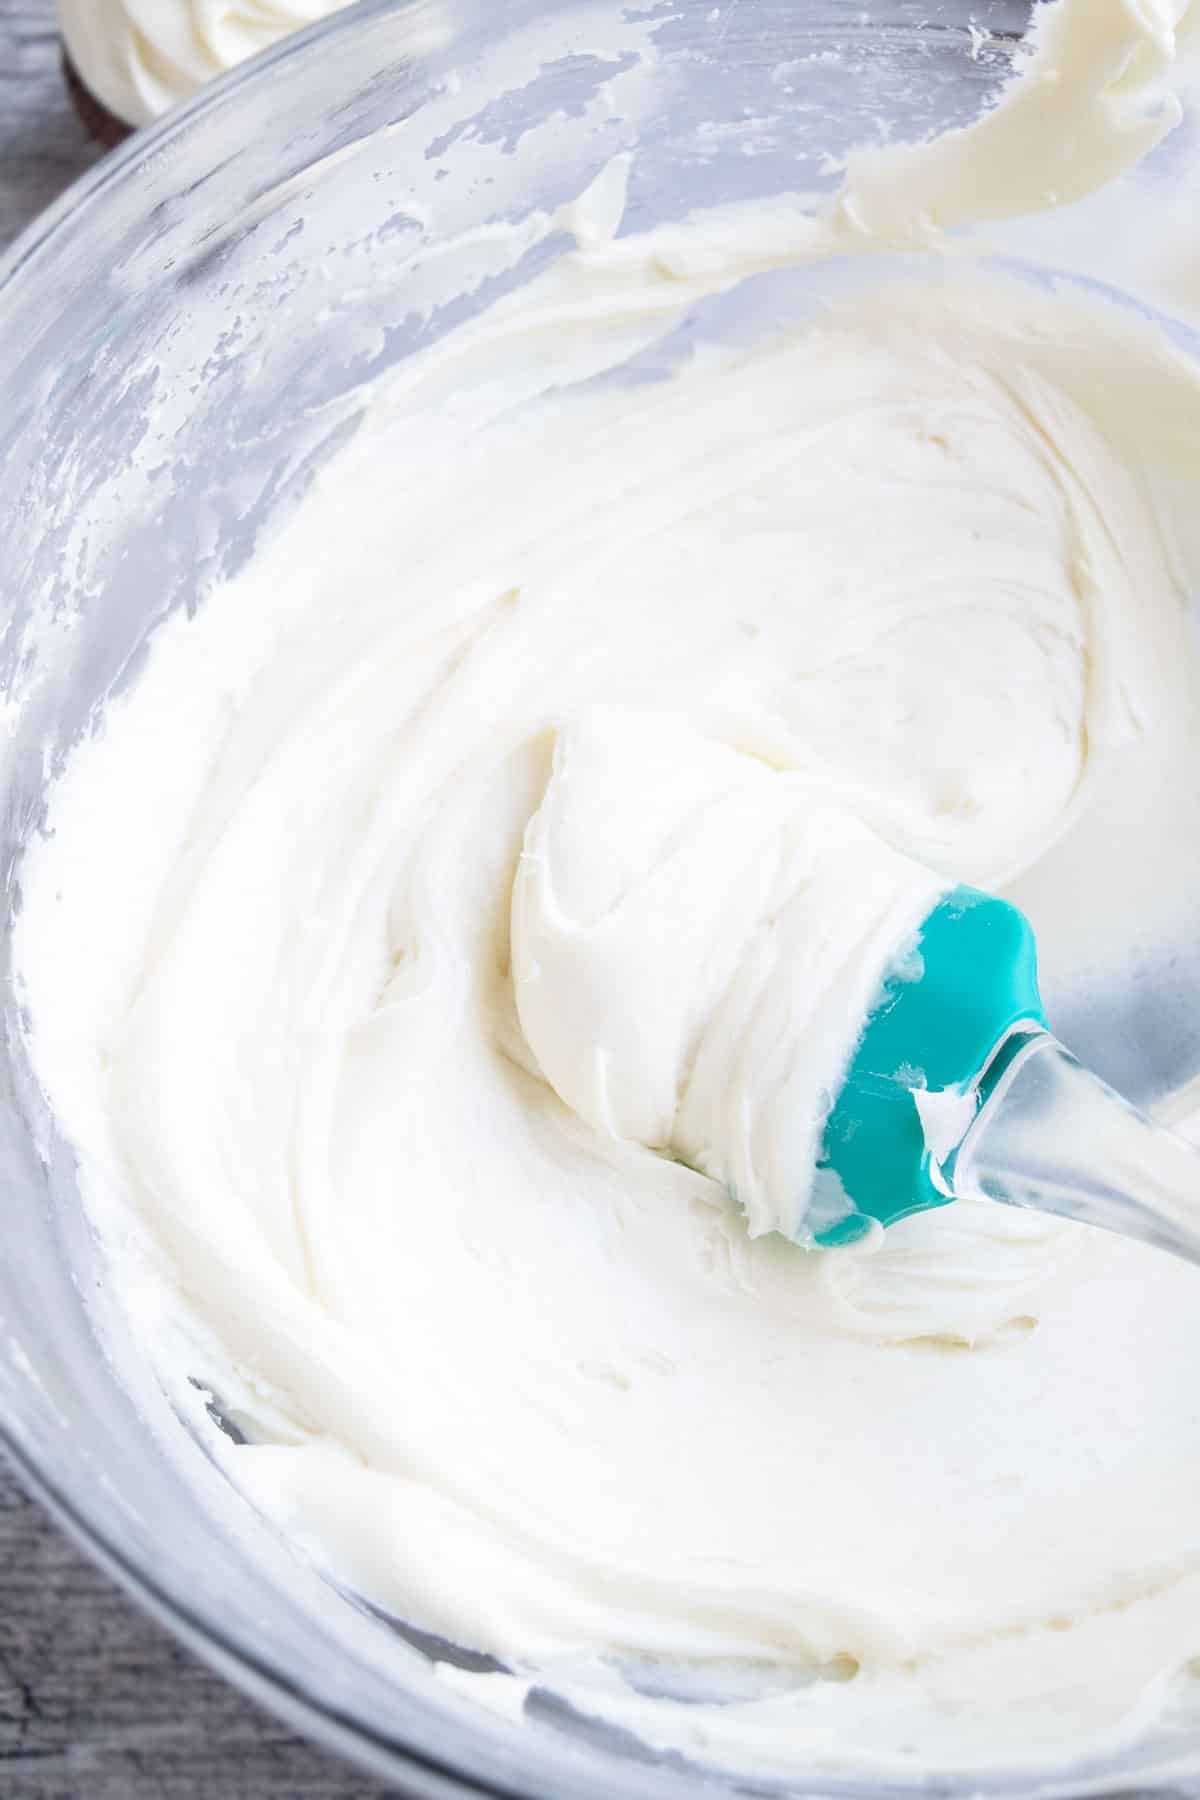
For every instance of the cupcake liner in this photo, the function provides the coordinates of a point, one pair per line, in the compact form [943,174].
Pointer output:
[102,125]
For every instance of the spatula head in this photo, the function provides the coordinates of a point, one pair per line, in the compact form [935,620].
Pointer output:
[949,1000]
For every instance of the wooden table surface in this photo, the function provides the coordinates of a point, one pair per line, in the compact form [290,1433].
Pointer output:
[96,1701]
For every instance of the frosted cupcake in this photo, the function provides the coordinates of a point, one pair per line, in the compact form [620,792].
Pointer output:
[131,60]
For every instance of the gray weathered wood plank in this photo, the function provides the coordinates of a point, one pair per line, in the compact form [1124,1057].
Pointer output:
[96,1701]
[43,145]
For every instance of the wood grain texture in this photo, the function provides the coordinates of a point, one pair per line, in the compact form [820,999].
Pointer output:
[43,144]
[96,1701]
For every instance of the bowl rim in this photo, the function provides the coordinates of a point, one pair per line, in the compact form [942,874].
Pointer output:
[142,140]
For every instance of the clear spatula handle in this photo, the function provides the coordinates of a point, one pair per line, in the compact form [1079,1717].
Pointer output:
[1051,1136]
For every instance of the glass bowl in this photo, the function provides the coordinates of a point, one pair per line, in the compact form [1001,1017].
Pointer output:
[184,339]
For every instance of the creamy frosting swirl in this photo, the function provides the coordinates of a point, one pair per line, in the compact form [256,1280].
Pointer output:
[139,57]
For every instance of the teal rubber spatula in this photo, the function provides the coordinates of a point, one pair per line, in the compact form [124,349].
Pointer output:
[957,1088]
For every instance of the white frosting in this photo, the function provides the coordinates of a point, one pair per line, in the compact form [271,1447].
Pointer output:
[139,57]
[696,941]
[1089,106]
[474,868]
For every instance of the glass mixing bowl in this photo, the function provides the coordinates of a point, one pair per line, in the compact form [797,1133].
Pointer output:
[183,340]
